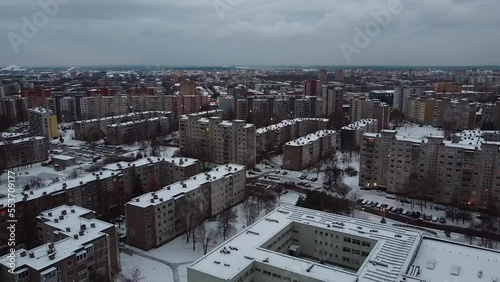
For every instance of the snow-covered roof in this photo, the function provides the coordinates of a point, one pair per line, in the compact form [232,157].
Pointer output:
[62,157]
[180,162]
[22,140]
[438,259]
[396,253]
[69,224]
[286,123]
[60,186]
[180,188]
[392,251]
[359,124]
[310,138]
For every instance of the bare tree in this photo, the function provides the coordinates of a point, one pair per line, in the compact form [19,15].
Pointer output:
[227,219]
[205,237]
[188,214]
[250,211]
[134,276]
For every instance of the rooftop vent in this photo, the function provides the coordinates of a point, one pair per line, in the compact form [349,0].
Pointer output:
[72,210]
[23,253]
[56,220]
[49,214]
[92,224]
[31,254]
[81,233]
[75,236]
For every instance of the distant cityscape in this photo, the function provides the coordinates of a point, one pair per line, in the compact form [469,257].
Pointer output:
[249,173]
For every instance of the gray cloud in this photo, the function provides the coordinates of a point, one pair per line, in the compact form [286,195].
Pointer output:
[190,32]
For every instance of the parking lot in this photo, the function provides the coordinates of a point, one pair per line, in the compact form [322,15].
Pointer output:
[411,214]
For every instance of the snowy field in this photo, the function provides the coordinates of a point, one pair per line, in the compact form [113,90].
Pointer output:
[415,131]
[150,270]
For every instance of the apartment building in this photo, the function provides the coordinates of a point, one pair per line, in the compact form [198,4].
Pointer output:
[14,108]
[220,141]
[188,88]
[99,106]
[23,152]
[333,101]
[352,134]
[95,129]
[155,218]
[98,191]
[153,172]
[305,151]
[296,244]
[447,87]
[273,137]
[43,122]
[266,110]
[132,131]
[362,108]
[455,115]
[178,104]
[420,110]
[76,247]
[64,108]
[490,113]
[401,96]
[462,170]
[312,87]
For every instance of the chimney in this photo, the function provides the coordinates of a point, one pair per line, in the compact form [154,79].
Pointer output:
[75,236]
[68,229]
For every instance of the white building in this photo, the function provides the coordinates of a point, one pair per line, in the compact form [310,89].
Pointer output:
[295,244]
[305,151]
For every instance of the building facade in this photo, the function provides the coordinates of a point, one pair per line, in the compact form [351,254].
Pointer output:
[76,247]
[23,152]
[461,170]
[132,131]
[155,218]
[217,140]
[43,122]
[352,134]
[303,152]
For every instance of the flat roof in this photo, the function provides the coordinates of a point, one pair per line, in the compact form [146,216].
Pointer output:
[180,188]
[62,157]
[438,258]
[310,138]
[359,124]
[22,140]
[392,252]
[67,246]
[180,162]
[287,122]
[58,187]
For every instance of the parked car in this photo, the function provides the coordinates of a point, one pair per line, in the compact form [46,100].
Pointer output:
[398,210]
[379,206]
[285,173]
[308,185]
[384,206]
[303,176]
[435,219]
[442,219]
[252,173]
[405,212]
[428,217]
[359,201]
[364,202]
[417,215]
[369,203]
[314,179]
[276,172]
[257,170]
[374,204]
[406,201]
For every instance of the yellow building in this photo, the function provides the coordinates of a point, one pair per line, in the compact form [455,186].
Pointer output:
[188,88]
[43,123]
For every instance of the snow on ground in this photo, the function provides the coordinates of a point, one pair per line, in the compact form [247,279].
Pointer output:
[24,176]
[182,270]
[150,270]
[68,138]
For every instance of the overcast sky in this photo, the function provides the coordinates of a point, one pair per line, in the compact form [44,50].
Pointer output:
[250,32]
